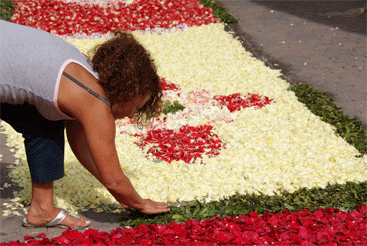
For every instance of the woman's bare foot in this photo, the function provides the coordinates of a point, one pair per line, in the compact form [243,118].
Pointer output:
[37,216]
[43,210]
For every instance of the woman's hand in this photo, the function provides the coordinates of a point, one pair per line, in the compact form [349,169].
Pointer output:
[152,207]
[125,206]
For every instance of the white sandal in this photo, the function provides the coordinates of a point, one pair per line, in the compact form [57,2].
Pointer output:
[56,221]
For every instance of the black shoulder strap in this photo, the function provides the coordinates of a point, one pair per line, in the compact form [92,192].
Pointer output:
[86,88]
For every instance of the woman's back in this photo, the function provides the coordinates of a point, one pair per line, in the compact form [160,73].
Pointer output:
[31,65]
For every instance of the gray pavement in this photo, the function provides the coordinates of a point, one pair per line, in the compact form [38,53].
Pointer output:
[323,56]
[326,57]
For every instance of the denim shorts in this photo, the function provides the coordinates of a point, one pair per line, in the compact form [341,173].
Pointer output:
[43,140]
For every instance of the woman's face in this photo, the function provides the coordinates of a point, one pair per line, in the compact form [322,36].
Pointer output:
[128,109]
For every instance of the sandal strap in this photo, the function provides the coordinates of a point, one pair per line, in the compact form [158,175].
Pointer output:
[60,217]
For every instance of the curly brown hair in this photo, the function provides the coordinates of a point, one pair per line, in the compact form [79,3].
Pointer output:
[126,70]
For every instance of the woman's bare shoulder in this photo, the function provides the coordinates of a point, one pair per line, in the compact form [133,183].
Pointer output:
[73,99]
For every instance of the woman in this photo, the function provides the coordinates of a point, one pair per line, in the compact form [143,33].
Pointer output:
[46,84]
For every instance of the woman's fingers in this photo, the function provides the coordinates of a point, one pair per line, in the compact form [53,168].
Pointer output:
[152,207]
[125,206]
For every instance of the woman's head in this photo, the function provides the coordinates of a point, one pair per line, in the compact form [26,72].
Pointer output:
[126,72]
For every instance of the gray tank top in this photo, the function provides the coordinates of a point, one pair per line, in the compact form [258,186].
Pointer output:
[31,65]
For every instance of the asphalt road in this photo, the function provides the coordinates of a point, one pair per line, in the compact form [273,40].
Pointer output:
[318,43]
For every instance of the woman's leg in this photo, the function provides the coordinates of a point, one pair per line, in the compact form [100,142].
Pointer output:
[43,210]
[44,144]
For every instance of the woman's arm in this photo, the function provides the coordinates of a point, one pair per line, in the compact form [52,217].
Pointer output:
[78,143]
[93,142]
[92,138]
[109,174]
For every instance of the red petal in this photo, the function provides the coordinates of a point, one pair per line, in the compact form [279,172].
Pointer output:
[42,235]
[28,237]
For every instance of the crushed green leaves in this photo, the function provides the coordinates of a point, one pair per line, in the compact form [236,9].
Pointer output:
[172,108]
[219,12]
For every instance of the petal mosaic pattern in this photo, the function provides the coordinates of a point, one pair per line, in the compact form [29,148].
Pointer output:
[322,227]
[72,17]
[187,144]
[279,146]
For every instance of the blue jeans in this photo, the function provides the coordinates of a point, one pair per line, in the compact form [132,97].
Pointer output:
[43,140]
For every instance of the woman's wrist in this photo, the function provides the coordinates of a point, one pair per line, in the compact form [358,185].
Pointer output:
[125,193]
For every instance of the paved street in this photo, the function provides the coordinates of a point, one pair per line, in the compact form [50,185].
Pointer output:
[330,56]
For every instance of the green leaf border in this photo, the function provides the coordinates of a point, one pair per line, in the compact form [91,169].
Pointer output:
[345,197]
[219,12]
[347,127]
[6,9]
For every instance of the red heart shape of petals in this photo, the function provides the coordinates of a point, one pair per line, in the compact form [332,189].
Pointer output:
[187,144]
